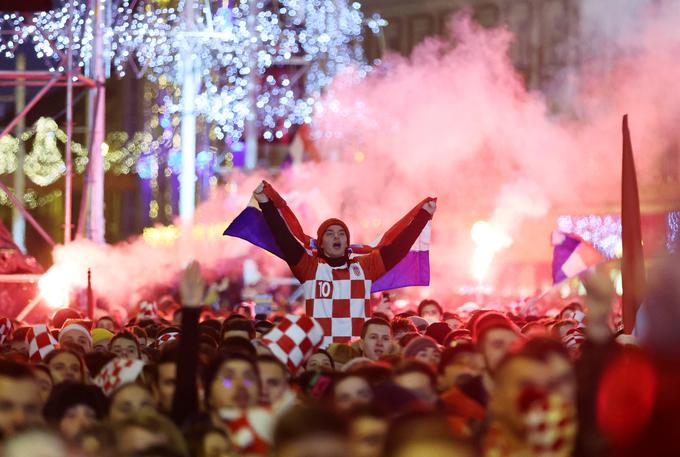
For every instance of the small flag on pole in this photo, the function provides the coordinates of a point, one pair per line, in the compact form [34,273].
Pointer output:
[571,256]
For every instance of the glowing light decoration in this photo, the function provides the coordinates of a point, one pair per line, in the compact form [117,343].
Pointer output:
[292,49]
[603,232]
[489,240]
[289,49]
[673,230]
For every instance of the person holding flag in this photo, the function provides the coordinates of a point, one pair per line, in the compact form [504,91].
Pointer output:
[336,280]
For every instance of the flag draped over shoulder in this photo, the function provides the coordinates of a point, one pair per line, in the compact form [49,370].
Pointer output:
[571,256]
[413,270]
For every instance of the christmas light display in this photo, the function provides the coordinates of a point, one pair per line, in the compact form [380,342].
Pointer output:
[603,232]
[293,47]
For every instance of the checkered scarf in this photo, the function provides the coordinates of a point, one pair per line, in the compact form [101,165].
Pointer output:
[118,372]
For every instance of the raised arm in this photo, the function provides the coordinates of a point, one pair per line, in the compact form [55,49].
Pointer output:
[289,245]
[393,252]
[185,401]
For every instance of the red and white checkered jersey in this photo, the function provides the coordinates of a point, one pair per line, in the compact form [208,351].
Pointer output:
[339,297]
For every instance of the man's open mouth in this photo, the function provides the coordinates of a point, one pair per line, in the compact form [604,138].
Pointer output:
[336,245]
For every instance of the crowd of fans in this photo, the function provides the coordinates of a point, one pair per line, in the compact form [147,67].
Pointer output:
[192,382]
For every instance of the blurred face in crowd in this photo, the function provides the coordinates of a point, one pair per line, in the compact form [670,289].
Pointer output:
[377,342]
[429,356]
[20,404]
[334,242]
[274,381]
[102,345]
[65,367]
[238,333]
[495,345]
[136,439]
[350,392]
[75,419]
[431,313]
[516,375]
[107,324]
[562,377]
[165,389]
[77,337]
[215,445]
[466,363]
[367,435]
[319,362]
[453,323]
[44,381]
[235,386]
[419,384]
[429,447]
[324,445]
[130,400]
[125,348]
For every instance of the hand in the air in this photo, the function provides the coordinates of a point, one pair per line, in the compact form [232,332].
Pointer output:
[192,286]
[259,194]
[430,206]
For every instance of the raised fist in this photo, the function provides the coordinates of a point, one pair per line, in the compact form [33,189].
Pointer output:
[430,206]
[259,194]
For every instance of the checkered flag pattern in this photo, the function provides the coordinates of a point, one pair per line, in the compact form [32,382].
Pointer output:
[341,301]
[148,311]
[5,329]
[40,342]
[167,337]
[118,372]
[550,426]
[294,340]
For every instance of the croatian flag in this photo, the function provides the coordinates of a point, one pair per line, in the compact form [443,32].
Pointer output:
[413,270]
[571,256]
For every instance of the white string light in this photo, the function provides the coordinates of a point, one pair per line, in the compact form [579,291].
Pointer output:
[296,47]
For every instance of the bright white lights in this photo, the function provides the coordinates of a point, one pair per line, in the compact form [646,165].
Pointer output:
[488,241]
[296,47]
[54,287]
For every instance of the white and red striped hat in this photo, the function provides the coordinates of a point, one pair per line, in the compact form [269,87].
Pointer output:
[118,372]
[5,329]
[167,337]
[40,342]
[294,340]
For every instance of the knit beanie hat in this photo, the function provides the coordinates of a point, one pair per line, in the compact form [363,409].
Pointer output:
[69,394]
[324,226]
[62,315]
[492,320]
[77,327]
[419,344]
[438,331]
[100,334]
